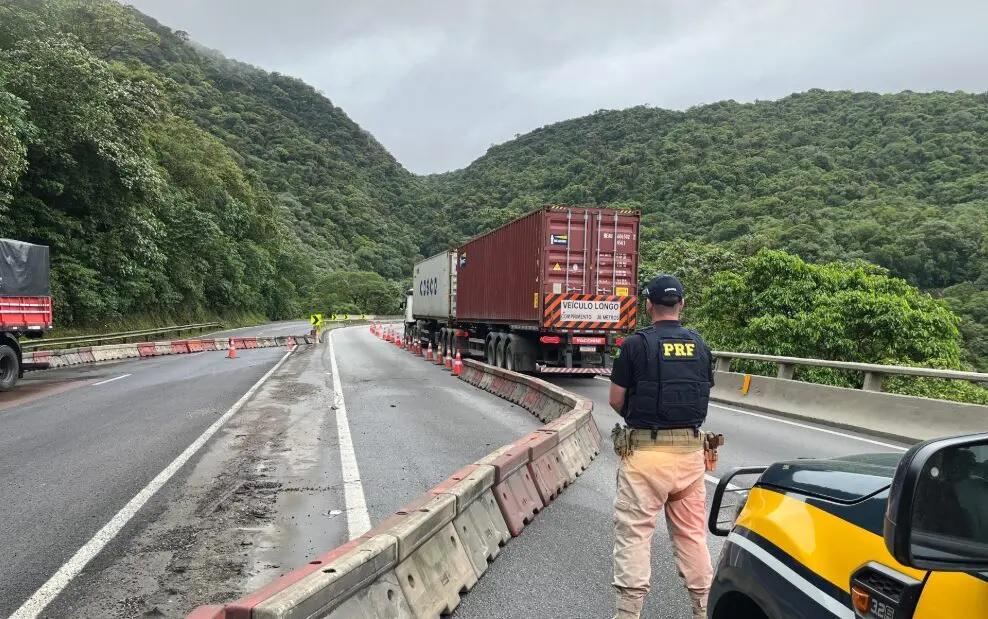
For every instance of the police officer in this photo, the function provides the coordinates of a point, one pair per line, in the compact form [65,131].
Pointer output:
[661,384]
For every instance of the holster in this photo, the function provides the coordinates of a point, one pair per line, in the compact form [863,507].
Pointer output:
[711,442]
[621,436]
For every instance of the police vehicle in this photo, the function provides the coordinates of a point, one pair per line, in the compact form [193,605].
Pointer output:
[874,536]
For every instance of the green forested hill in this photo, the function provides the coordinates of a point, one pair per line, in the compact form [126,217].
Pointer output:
[171,180]
[898,180]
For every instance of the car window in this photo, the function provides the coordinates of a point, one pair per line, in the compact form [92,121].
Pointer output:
[953,495]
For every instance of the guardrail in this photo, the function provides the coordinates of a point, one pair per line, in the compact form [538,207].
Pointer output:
[874,374]
[99,340]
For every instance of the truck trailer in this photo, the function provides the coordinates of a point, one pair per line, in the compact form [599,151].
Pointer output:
[25,304]
[549,292]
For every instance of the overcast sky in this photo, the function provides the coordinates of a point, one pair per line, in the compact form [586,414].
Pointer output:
[439,81]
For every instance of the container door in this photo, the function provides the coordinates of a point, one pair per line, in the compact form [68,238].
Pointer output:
[567,251]
[591,273]
[615,247]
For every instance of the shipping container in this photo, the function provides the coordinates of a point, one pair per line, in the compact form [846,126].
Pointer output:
[560,267]
[547,292]
[432,286]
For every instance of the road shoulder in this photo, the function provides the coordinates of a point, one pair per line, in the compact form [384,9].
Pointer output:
[254,496]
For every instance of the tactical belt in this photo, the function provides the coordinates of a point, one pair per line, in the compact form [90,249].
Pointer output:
[684,437]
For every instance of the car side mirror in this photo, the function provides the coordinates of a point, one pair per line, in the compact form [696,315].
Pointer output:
[937,514]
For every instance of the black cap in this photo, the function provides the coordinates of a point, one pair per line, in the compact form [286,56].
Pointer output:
[664,290]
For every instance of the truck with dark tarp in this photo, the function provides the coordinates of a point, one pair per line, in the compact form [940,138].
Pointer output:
[25,304]
[550,292]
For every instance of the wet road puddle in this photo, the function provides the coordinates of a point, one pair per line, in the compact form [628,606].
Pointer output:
[32,390]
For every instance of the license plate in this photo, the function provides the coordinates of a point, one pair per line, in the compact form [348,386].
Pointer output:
[582,340]
[588,349]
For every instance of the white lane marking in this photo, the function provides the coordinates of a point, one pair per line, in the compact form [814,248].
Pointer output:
[357,518]
[103,382]
[809,427]
[50,590]
[800,425]
[820,597]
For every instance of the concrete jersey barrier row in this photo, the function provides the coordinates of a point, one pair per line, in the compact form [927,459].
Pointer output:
[76,356]
[417,562]
[900,417]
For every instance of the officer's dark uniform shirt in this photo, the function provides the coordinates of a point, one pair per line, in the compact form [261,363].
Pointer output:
[678,391]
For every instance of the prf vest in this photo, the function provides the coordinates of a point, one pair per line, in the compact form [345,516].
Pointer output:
[675,388]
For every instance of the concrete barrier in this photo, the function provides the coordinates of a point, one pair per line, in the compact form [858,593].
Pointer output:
[417,562]
[900,417]
[114,352]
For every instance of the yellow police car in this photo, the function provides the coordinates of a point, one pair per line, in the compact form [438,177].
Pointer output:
[875,536]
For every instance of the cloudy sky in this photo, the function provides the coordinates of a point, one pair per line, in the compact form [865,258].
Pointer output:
[439,81]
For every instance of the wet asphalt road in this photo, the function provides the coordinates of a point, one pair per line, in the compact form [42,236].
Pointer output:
[73,455]
[73,452]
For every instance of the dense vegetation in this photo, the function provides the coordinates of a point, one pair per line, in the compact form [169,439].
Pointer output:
[777,304]
[898,180]
[171,180]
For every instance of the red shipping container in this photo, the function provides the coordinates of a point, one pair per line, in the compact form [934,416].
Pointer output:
[560,267]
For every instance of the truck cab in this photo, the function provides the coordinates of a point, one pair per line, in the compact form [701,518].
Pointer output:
[872,536]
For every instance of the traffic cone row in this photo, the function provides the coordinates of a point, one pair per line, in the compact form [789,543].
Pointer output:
[415,347]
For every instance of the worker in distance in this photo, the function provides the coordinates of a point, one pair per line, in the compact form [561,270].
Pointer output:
[660,385]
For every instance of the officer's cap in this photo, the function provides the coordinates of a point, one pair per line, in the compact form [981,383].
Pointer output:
[664,290]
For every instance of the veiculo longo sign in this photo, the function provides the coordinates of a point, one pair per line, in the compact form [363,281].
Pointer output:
[590,311]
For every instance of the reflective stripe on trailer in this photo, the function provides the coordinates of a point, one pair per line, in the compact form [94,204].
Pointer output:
[542,369]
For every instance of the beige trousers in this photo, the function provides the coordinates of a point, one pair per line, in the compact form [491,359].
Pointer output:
[645,481]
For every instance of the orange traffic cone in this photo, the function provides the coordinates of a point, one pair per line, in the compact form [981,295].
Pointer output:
[428,353]
[449,359]
[458,364]
[439,356]
[232,354]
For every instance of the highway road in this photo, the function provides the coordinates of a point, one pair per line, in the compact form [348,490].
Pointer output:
[264,496]
[77,444]
[561,565]
[339,438]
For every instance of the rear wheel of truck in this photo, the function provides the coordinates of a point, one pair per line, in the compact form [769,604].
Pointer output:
[509,362]
[10,368]
[501,345]
[490,351]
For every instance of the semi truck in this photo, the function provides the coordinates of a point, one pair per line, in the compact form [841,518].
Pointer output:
[547,293]
[25,304]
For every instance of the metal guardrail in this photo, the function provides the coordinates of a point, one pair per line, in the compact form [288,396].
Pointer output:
[874,374]
[98,340]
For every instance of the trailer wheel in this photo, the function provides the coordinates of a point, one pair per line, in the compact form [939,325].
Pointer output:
[509,362]
[10,368]
[491,351]
[500,353]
